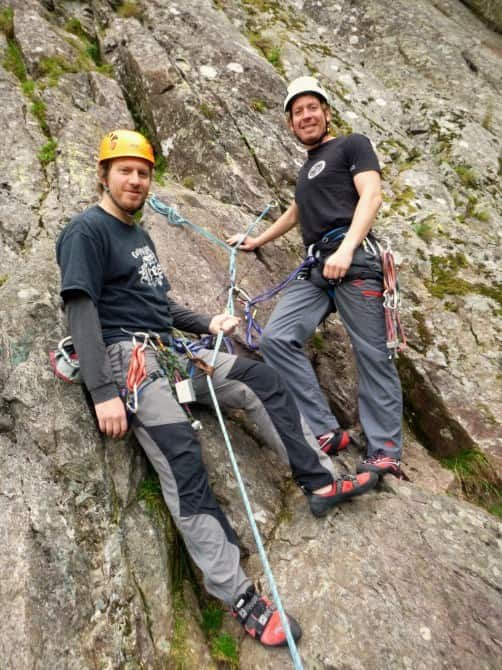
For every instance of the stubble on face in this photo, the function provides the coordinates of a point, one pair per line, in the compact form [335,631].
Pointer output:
[127,186]
[309,120]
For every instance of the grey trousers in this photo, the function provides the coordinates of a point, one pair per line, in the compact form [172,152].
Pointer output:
[359,302]
[173,449]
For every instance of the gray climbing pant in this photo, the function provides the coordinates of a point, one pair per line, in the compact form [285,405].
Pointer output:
[173,449]
[359,302]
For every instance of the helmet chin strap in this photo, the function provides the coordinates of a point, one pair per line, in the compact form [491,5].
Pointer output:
[314,143]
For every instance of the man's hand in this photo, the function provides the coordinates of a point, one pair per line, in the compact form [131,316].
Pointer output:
[247,244]
[112,418]
[223,322]
[337,265]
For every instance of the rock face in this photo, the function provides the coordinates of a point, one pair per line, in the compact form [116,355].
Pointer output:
[93,574]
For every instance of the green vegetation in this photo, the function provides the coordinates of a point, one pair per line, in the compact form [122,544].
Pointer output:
[207,111]
[28,88]
[318,341]
[90,49]
[53,67]
[160,170]
[13,61]
[188,182]
[338,123]
[467,175]
[129,9]
[401,203]
[74,27]
[445,281]
[179,640]
[258,105]
[7,22]
[47,153]
[212,618]
[39,110]
[424,230]
[482,215]
[150,492]
[423,334]
[271,51]
[3,279]
[274,12]
[224,648]
[478,479]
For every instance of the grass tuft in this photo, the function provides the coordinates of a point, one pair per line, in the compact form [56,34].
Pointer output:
[7,22]
[224,649]
[129,9]
[478,479]
[47,153]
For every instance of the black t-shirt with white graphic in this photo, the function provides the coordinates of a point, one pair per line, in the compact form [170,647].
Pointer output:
[117,266]
[325,191]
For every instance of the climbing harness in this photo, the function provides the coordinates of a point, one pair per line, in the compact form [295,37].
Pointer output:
[396,339]
[176,219]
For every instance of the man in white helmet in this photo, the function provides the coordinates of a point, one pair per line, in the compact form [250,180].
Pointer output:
[337,198]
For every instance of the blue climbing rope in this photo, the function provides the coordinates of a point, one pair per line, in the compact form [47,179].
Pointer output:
[176,219]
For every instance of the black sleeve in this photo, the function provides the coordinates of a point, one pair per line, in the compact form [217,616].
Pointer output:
[81,260]
[88,341]
[186,320]
[360,154]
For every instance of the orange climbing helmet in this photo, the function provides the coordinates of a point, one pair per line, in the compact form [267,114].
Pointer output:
[125,144]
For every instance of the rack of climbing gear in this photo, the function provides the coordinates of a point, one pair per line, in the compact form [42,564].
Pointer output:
[136,373]
[396,338]
[176,219]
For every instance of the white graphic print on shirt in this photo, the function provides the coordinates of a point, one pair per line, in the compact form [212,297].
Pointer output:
[316,169]
[150,270]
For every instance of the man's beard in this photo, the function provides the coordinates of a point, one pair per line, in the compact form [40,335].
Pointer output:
[130,211]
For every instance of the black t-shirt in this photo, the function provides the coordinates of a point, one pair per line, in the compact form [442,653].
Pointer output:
[325,191]
[117,266]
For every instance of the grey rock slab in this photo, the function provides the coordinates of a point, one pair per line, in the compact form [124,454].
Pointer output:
[39,39]
[405,580]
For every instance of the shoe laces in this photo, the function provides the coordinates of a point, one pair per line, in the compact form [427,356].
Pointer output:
[380,456]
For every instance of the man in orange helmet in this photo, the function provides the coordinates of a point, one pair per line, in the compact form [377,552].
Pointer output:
[112,286]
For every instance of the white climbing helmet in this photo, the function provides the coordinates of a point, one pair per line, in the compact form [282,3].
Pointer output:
[303,85]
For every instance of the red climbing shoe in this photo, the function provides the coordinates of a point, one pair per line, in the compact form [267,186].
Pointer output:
[333,442]
[262,621]
[342,489]
[383,465]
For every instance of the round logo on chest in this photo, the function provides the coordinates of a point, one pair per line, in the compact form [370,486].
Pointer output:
[316,169]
